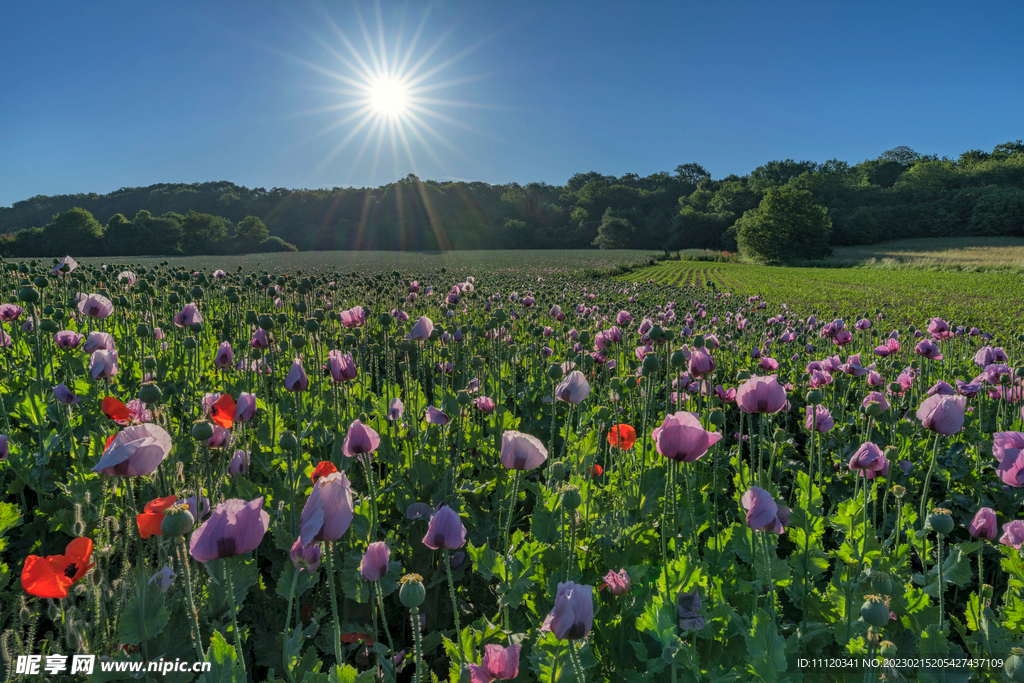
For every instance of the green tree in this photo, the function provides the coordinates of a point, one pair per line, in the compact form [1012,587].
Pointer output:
[202,233]
[76,229]
[613,232]
[251,231]
[692,173]
[786,226]
[695,229]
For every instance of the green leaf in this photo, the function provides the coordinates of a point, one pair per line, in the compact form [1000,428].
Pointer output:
[766,649]
[551,662]
[145,616]
[223,662]
[659,620]
[304,580]
[348,674]
[487,562]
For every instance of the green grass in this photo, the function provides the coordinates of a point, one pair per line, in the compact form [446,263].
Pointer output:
[990,301]
[1004,253]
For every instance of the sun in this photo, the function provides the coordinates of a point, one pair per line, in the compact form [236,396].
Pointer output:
[388,97]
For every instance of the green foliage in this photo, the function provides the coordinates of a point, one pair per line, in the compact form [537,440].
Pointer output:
[613,232]
[787,225]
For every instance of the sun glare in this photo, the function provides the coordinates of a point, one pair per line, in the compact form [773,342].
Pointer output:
[388,97]
[390,94]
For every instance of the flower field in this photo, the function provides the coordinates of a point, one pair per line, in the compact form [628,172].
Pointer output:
[400,471]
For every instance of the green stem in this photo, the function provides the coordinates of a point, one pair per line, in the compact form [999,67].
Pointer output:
[384,617]
[455,607]
[334,603]
[234,617]
[928,479]
[575,663]
[942,602]
[196,635]
[288,626]
[418,648]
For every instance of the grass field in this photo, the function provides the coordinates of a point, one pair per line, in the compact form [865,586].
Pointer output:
[992,301]
[963,252]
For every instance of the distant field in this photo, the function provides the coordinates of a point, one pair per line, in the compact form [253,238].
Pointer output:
[546,260]
[968,252]
[991,301]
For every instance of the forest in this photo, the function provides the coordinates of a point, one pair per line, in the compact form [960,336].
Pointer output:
[900,194]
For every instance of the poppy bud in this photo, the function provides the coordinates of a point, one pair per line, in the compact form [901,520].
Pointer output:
[463,399]
[150,393]
[815,397]
[288,442]
[558,470]
[874,612]
[202,430]
[899,491]
[177,521]
[1013,667]
[940,521]
[412,593]
[571,499]
[881,583]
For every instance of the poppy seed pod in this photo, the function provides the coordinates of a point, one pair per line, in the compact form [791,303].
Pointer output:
[940,521]
[202,431]
[557,470]
[874,612]
[412,593]
[287,441]
[178,521]
[571,499]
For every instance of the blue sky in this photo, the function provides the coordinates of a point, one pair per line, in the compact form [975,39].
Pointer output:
[103,95]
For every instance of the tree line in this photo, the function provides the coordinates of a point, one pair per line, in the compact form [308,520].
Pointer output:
[900,194]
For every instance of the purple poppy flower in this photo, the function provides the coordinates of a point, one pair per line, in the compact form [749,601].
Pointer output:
[396,409]
[521,451]
[296,379]
[701,362]
[573,614]
[221,437]
[574,388]
[763,513]
[941,388]
[869,461]
[67,340]
[305,557]
[682,437]
[1008,448]
[819,419]
[421,329]
[375,562]
[239,463]
[99,341]
[236,527]
[943,414]
[1013,534]
[135,452]
[225,356]
[890,347]
[984,525]
[64,395]
[360,440]
[245,407]
[876,397]
[353,317]
[498,663]
[103,364]
[188,316]
[617,582]
[939,329]
[761,395]
[66,265]
[928,350]
[342,367]
[95,306]
[260,339]
[445,530]
[435,417]
[484,404]
[328,512]
[5,450]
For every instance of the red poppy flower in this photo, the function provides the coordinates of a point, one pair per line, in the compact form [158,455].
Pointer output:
[622,436]
[223,411]
[51,576]
[356,637]
[596,471]
[151,521]
[323,468]
[115,409]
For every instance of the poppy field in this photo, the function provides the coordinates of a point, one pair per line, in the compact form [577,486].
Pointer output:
[522,473]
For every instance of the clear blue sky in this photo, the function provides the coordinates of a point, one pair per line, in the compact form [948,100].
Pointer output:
[103,95]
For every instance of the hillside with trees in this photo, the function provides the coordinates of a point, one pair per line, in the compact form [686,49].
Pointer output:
[901,194]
